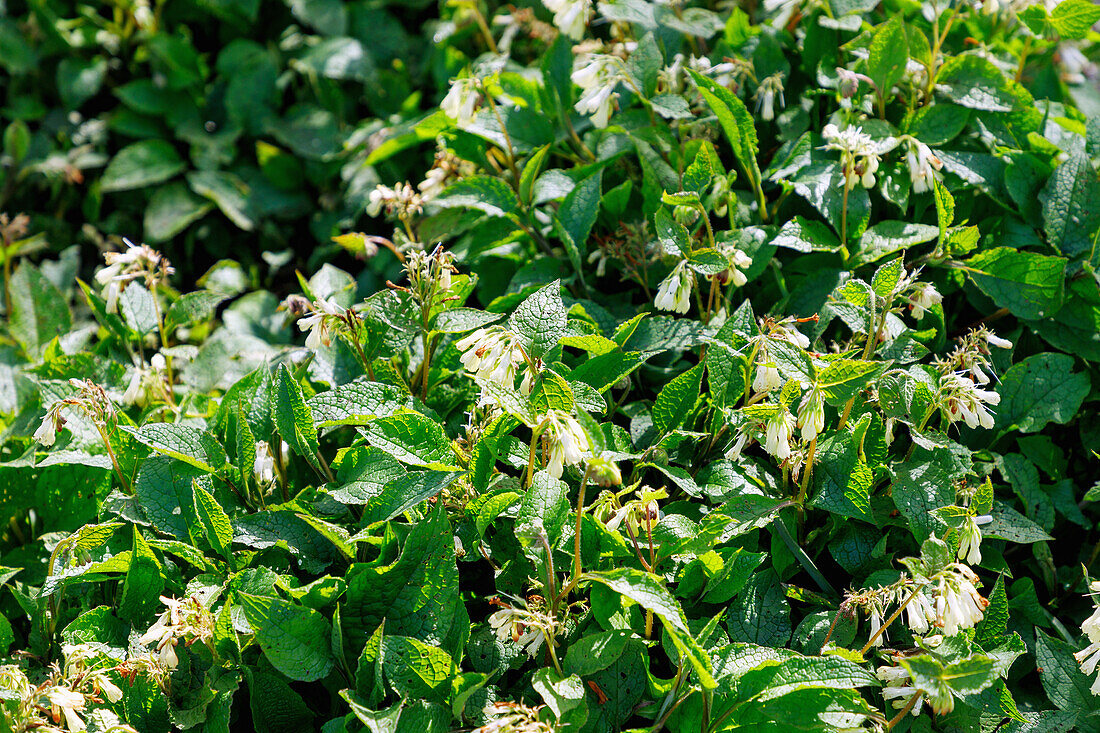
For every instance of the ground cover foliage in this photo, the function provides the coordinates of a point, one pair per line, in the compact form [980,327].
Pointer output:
[728,368]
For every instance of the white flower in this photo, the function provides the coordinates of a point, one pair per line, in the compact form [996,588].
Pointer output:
[860,153]
[263,468]
[402,199]
[811,414]
[740,260]
[994,340]
[569,444]
[461,101]
[970,536]
[922,164]
[1090,655]
[770,89]
[67,702]
[767,376]
[958,604]
[674,292]
[777,434]
[47,431]
[513,624]
[597,78]
[924,297]
[318,323]
[493,354]
[919,613]
[963,400]
[570,16]
[897,688]
[789,332]
[876,625]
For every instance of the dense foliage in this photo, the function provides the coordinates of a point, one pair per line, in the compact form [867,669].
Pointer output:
[726,367]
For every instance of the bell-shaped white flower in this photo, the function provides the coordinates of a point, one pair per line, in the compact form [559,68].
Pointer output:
[970,537]
[811,414]
[461,101]
[319,323]
[568,442]
[924,297]
[570,16]
[923,165]
[777,433]
[597,78]
[674,292]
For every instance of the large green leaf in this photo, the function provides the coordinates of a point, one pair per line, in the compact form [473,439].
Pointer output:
[142,164]
[295,639]
[1040,389]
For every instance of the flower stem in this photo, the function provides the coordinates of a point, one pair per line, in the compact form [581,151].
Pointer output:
[892,618]
[904,711]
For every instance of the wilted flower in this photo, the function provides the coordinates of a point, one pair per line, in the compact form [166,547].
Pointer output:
[402,199]
[135,262]
[511,717]
[674,292]
[513,624]
[570,16]
[597,78]
[185,620]
[461,101]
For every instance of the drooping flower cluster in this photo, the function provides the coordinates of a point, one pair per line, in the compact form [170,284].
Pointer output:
[460,103]
[528,627]
[597,75]
[860,154]
[493,354]
[1090,655]
[134,263]
[922,163]
[570,16]
[185,621]
[674,292]
[970,537]
[402,200]
[897,687]
[964,400]
[90,399]
[770,90]
[566,439]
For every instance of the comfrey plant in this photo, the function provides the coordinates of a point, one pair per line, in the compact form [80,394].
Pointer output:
[673,366]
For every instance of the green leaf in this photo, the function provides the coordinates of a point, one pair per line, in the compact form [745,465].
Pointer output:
[1009,524]
[485,193]
[357,403]
[1066,686]
[773,680]
[402,493]
[295,639]
[888,237]
[843,481]
[807,235]
[561,694]
[215,522]
[736,123]
[844,378]
[677,399]
[645,590]
[1073,18]
[143,584]
[925,482]
[39,312]
[674,237]
[540,320]
[142,164]
[974,82]
[994,623]
[1040,389]
[183,442]
[414,669]
[172,209]
[416,594]
[293,418]
[411,438]
[760,614]
[1071,201]
[964,677]
[1030,285]
[888,54]
[228,192]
